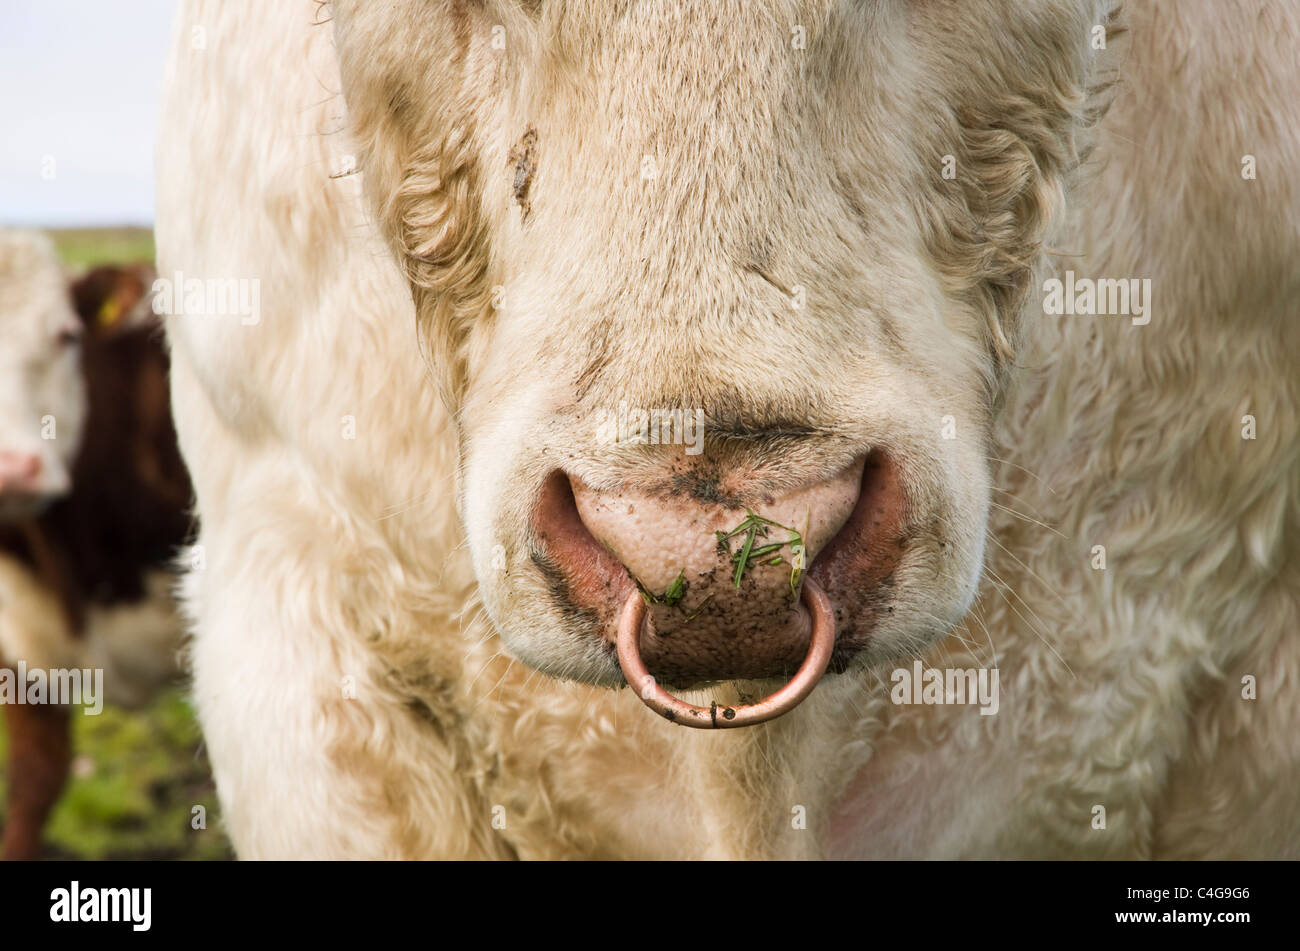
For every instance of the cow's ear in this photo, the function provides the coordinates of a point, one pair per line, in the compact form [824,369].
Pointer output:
[112,299]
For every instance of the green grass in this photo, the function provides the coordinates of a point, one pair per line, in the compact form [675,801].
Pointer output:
[87,247]
[137,778]
[137,775]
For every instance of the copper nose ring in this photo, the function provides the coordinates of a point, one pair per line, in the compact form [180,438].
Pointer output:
[716,716]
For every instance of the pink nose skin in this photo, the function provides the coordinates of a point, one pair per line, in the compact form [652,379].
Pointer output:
[719,563]
[20,473]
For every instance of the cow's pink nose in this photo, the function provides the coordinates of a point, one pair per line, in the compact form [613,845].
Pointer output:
[20,472]
[719,561]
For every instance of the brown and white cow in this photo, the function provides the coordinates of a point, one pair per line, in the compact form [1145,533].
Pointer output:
[833,227]
[93,517]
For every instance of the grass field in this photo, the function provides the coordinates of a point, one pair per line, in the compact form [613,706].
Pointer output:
[138,776]
[87,247]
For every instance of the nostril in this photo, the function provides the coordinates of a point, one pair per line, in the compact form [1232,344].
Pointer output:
[583,570]
[864,553]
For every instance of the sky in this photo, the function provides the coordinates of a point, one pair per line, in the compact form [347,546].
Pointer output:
[79,87]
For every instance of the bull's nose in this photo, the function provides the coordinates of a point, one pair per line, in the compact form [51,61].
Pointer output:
[719,561]
[20,472]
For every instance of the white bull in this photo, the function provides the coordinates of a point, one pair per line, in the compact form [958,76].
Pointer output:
[832,226]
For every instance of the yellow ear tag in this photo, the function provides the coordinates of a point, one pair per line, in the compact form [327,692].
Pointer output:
[110,312]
